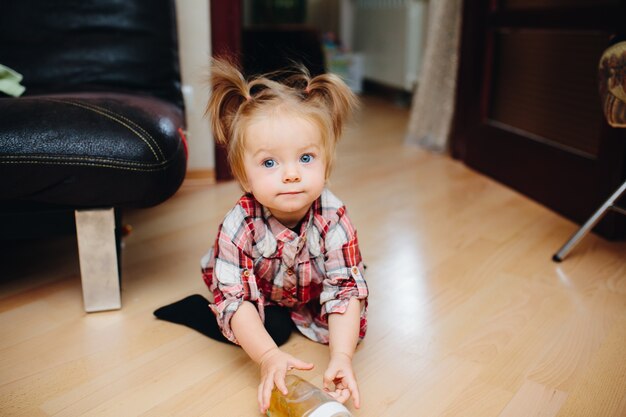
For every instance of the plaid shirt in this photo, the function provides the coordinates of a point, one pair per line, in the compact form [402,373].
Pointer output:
[314,273]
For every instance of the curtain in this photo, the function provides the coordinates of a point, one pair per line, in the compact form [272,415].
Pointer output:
[433,103]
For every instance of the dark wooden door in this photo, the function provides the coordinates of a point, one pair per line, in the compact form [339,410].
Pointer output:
[528,111]
[225,41]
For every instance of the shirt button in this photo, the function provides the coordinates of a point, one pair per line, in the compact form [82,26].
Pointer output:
[290,271]
[355,270]
[246,272]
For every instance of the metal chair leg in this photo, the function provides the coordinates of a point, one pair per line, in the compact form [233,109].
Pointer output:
[589,224]
[97,253]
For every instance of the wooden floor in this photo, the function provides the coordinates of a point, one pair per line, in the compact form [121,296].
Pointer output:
[468,315]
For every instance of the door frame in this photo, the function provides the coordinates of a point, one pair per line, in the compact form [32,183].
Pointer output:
[225,41]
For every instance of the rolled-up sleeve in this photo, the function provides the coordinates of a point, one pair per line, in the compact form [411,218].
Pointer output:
[344,270]
[233,280]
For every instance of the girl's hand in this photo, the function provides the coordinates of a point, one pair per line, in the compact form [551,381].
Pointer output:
[341,375]
[274,366]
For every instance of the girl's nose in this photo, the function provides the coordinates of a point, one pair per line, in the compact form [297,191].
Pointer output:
[291,175]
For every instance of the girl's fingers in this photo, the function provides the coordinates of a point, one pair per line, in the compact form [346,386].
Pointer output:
[260,398]
[265,392]
[340,395]
[333,394]
[345,394]
[279,381]
[349,383]
[329,378]
[356,397]
[275,376]
[305,366]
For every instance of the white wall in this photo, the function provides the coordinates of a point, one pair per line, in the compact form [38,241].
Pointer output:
[390,35]
[194,40]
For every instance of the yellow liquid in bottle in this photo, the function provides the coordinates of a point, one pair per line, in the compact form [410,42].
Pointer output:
[302,399]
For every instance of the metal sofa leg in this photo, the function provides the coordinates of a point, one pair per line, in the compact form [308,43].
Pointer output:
[609,204]
[98,257]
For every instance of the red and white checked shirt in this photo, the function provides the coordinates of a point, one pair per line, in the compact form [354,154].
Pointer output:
[314,273]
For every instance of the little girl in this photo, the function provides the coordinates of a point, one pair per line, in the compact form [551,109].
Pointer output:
[287,253]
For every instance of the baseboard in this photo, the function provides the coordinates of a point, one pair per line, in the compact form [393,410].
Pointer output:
[398,96]
[199,177]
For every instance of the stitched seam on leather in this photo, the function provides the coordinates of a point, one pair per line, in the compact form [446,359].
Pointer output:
[110,117]
[79,158]
[111,112]
[161,168]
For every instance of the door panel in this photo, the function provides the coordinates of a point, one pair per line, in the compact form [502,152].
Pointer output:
[544,83]
[528,111]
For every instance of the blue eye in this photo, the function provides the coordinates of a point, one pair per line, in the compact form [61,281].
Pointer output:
[269,163]
[306,158]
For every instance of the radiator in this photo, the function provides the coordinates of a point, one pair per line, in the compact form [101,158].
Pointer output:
[390,36]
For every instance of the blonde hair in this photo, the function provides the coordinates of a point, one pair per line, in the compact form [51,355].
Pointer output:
[324,100]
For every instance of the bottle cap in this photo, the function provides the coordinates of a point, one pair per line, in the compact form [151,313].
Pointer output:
[330,409]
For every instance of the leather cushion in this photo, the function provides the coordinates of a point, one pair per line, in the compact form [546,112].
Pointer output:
[90,149]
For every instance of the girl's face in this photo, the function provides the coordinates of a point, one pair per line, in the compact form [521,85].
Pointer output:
[285,165]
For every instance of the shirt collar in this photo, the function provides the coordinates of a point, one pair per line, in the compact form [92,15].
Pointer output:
[283,233]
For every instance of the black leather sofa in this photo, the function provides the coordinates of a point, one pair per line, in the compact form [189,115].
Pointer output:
[98,129]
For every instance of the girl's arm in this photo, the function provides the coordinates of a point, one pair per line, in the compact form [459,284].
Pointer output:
[250,332]
[258,344]
[344,335]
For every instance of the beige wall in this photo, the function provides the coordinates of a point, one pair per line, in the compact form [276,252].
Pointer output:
[193,18]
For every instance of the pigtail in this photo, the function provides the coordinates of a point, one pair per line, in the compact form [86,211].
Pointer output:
[229,91]
[330,91]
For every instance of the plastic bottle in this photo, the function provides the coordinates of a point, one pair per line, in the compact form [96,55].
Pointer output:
[304,400]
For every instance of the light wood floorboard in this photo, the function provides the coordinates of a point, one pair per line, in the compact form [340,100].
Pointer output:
[468,315]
